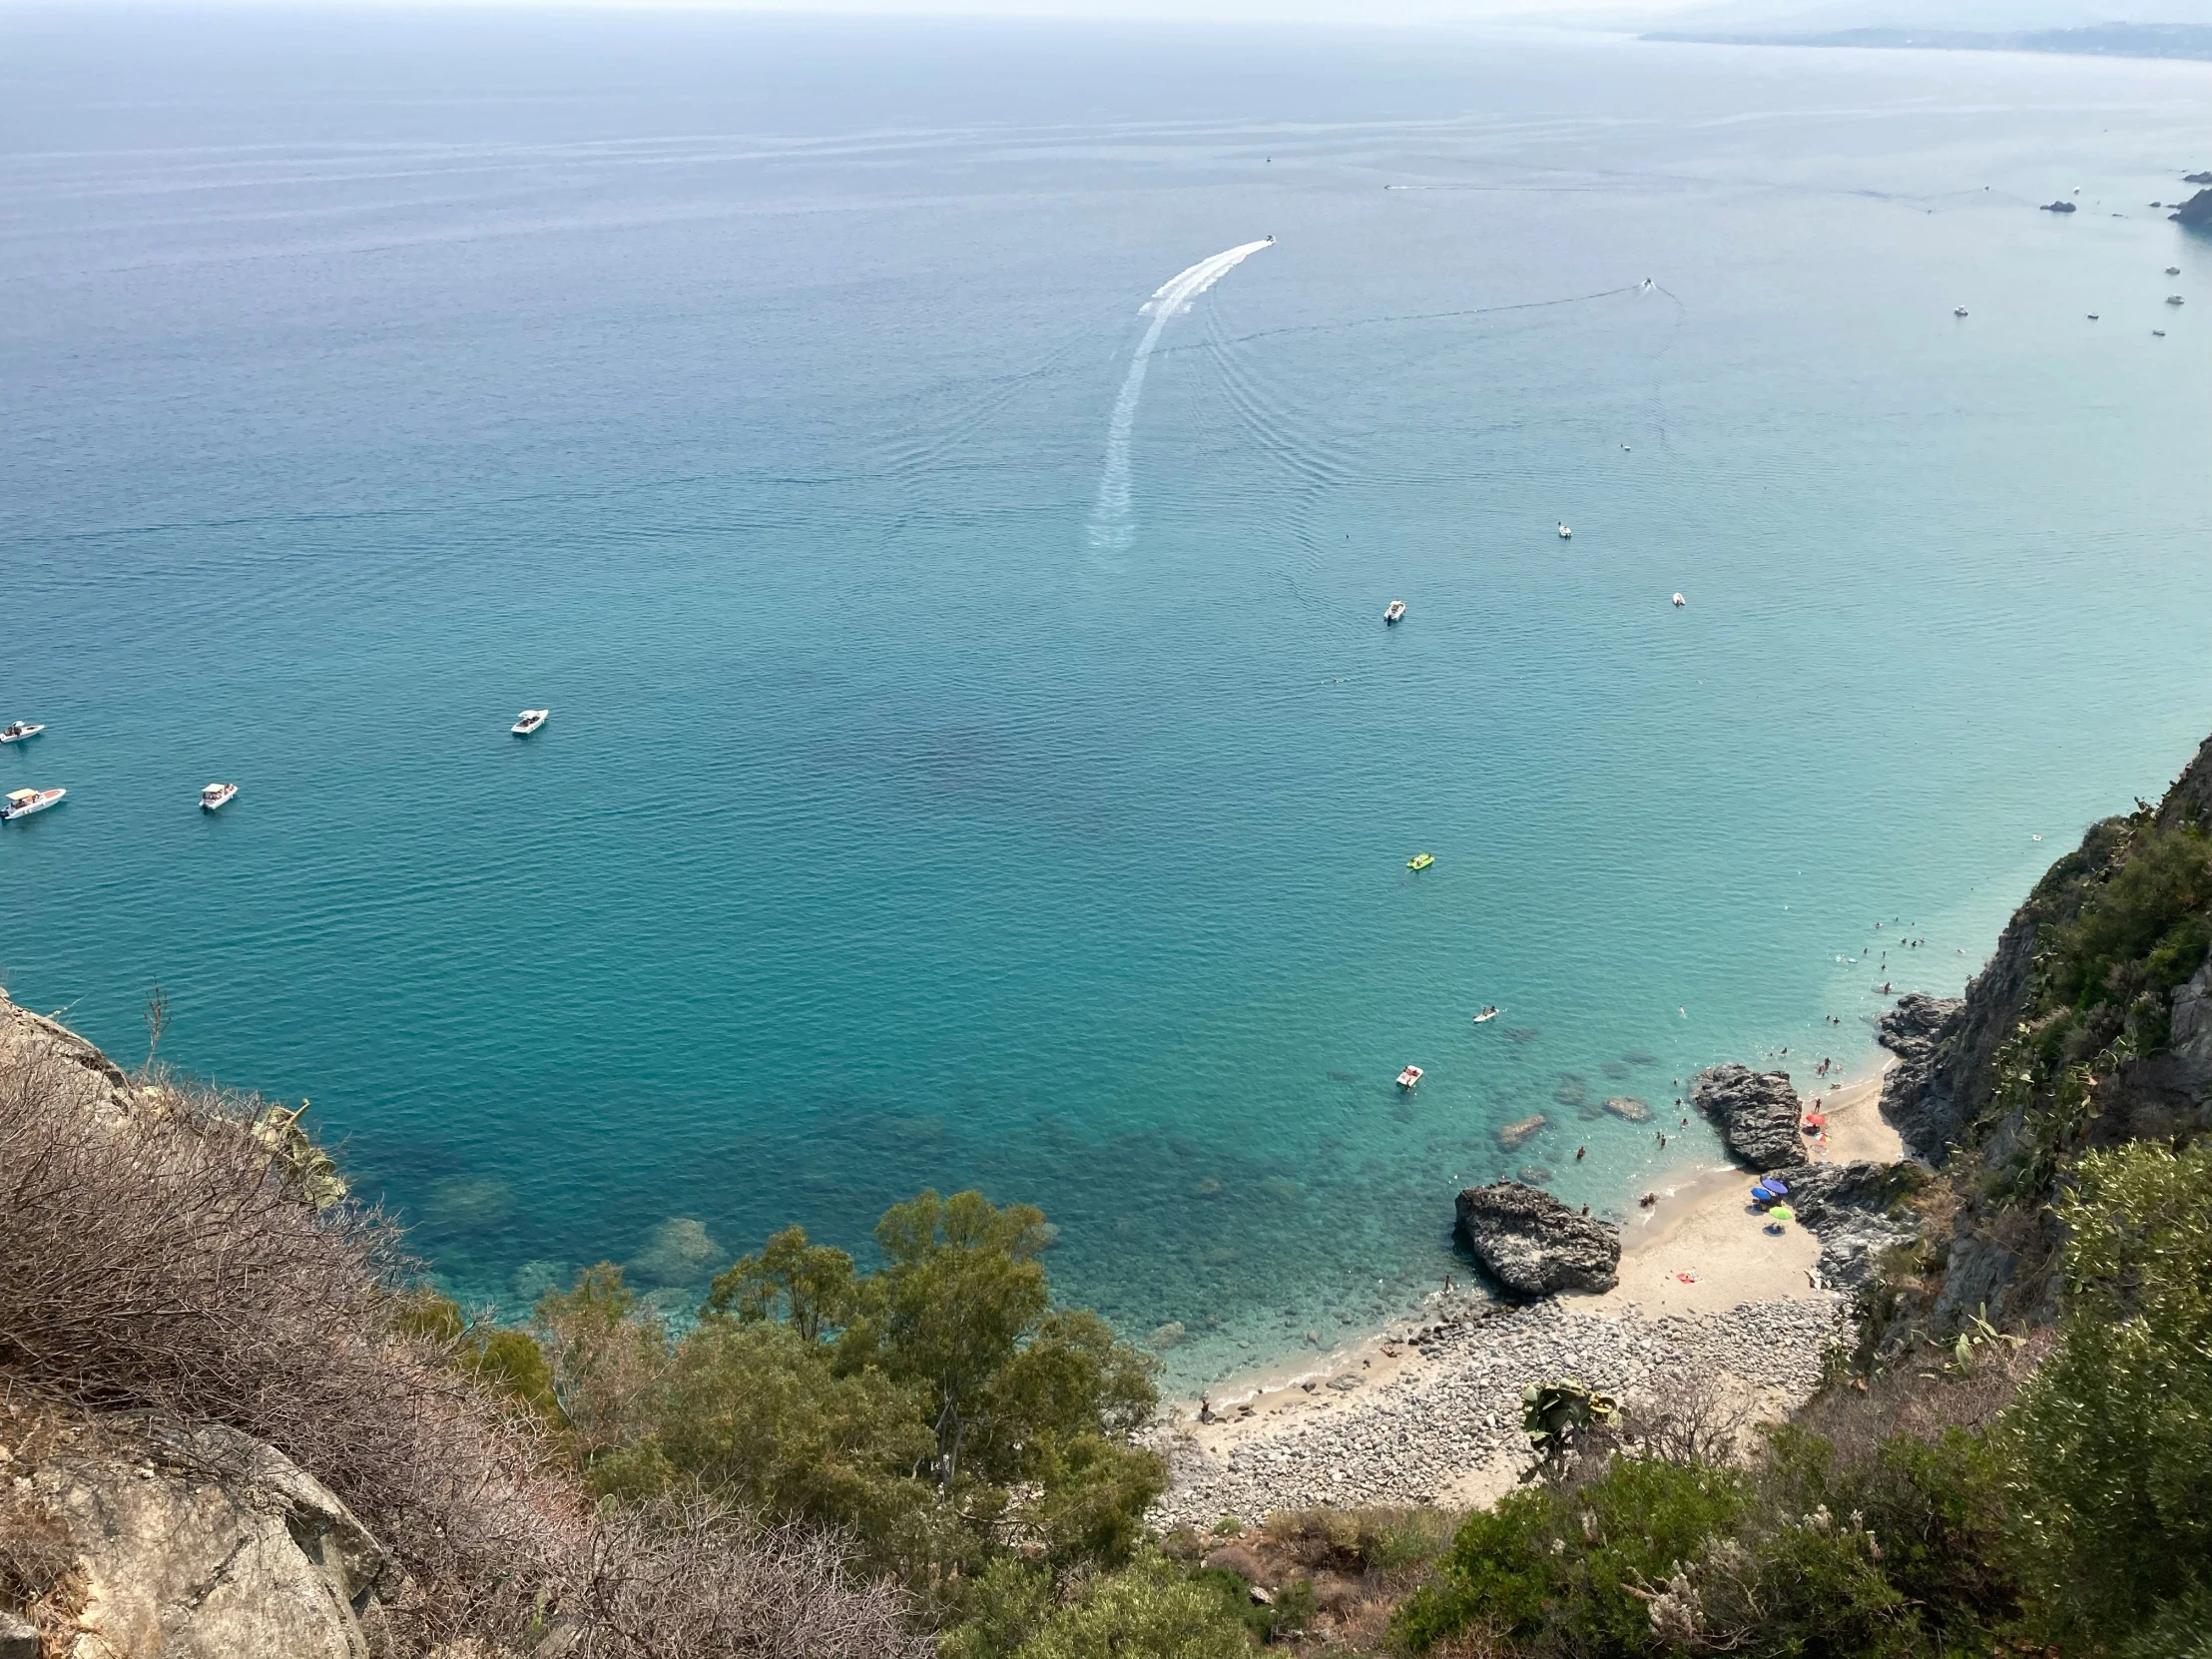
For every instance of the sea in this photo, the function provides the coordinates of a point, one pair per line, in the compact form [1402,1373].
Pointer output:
[944,479]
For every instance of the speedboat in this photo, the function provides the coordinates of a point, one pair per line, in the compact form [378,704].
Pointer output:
[1566,534]
[23,802]
[1959,310]
[1409,1078]
[17,731]
[2173,300]
[215,794]
[1394,609]
[2158,334]
[1679,602]
[2092,316]
[2173,271]
[1487,1015]
[1420,861]
[529,721]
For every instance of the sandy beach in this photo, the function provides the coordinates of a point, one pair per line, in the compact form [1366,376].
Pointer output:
[1429,1410]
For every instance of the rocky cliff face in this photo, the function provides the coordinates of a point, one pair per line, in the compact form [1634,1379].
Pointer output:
[2069,1039]
[161,1543]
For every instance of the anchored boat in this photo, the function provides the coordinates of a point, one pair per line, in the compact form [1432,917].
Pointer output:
[215,794]
[529,721]
[1420,861]
[1394,610]
[1409,1078]
[16,730]
[23,802]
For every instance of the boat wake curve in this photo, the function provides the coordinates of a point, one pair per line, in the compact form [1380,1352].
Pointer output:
[1110,527]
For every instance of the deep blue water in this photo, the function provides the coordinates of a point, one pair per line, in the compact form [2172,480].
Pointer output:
[741,389]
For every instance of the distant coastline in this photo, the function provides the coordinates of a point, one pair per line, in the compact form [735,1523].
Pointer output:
[2102,40]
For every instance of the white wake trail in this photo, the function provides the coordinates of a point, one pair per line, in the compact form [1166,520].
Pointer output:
[1110,527]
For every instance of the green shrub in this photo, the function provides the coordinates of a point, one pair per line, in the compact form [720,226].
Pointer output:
[1148,1610]
[2112,1437]
[756,1415]
[1934,1512]
[507,1362]
[939,1411]
[1557,1571]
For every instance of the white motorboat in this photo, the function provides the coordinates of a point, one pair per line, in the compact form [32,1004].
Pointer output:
[1679,602]
[1566,534]
[1396,611]
[1959,310]
[2173,300]
[16,730]
[1486,1015]
[1409,1078]
[529,721]
[23,802]
[216,795]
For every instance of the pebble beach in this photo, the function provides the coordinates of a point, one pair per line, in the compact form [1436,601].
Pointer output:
[1428,1409]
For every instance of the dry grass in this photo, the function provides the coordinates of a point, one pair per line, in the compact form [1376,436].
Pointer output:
[683,1578]
[178,1252]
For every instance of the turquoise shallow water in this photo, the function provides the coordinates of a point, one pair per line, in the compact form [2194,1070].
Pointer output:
[741,390]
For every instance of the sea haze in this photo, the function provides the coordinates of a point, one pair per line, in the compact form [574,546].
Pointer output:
[922,807]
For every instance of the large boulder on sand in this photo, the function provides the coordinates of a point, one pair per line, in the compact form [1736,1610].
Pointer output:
[1533,1245]
[1758,1113]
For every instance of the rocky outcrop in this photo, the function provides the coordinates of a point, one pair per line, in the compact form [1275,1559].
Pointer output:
[1921,1112]
[2058,207]
[1758,1111]
[2196,210]
[201,1544]
[1936,1094]
[1857,1212]
[1533,1244]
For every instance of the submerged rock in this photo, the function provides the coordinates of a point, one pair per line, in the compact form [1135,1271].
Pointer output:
[1513,1134]
[1533,1244]
[1629,1107]
[1758,1113]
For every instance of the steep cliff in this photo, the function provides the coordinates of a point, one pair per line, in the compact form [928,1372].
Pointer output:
[2090,1025]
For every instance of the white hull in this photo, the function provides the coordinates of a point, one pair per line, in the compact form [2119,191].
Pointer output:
[37,804]
[213,798]
[532,720]
[23,735]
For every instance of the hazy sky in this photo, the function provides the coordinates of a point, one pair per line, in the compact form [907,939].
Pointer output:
[1625,14]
